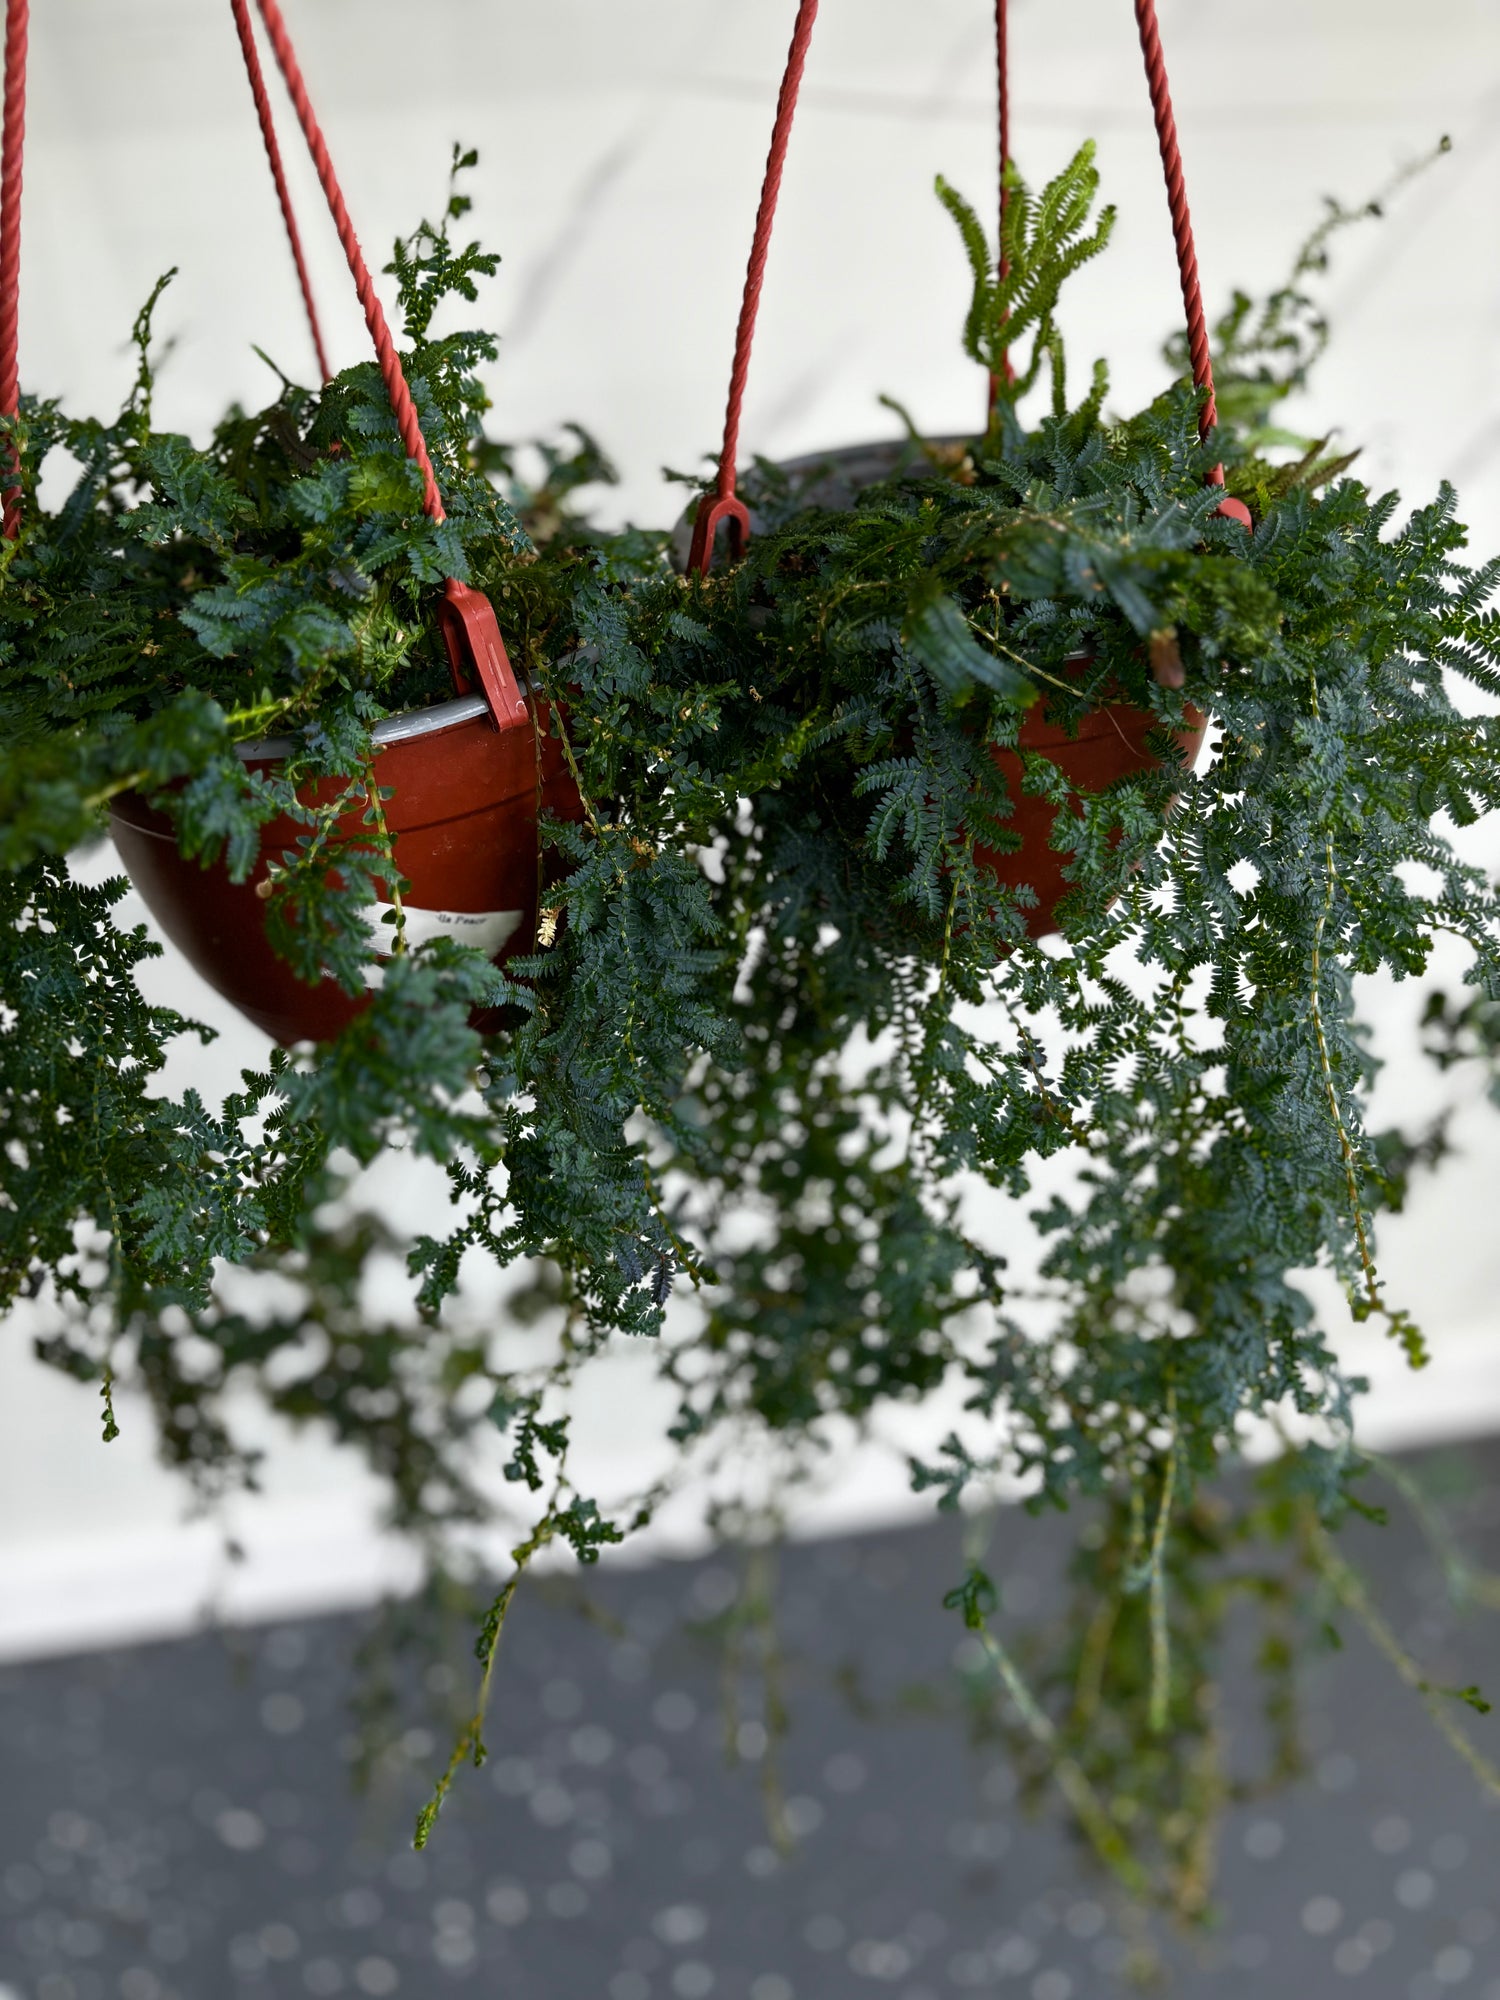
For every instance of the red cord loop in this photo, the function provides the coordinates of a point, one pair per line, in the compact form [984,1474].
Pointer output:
[714,511]
[253,70]
[17,21]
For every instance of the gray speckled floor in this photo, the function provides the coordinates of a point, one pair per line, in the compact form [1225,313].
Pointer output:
[177,1822]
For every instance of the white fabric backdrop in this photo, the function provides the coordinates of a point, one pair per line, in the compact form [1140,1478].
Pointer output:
[621,143]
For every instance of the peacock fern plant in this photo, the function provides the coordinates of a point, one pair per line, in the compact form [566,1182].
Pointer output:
[1042,243]
[786,1067]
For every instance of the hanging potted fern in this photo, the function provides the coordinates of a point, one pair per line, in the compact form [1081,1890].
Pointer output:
[786,1050]
[320,564]
[1080,721]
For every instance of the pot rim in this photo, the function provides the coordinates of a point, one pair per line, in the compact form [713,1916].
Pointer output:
[406,727]
[809,461]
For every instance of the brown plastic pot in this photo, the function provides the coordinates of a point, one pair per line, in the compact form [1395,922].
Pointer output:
[1109,744]
[464,824]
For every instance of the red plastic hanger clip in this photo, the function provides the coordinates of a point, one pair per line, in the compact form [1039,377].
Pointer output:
[471,633]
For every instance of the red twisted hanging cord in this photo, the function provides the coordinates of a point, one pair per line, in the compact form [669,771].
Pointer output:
[251,54]
[471,632]
[17,15]
[1182,233]
[385,348]
[1182,224]
[723,504]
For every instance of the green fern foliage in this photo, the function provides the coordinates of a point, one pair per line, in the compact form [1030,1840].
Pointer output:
[785,1084]
[1044,239]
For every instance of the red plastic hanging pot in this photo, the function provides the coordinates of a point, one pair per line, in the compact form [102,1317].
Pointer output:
[1110,742]
[468,777]
[463,820]
[1106,744]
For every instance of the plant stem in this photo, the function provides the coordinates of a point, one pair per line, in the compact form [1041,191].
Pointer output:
[1072,1781]
[1351,1172]
[116,1255]
[1374,1302]
[470,1744]
[377,813]
[1350,1588]
[1468,1583]
[1161,1643]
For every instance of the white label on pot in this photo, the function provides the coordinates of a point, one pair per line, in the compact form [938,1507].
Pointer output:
[485,930]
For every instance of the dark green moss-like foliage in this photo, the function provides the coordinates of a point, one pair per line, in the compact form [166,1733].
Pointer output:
[784,1048]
